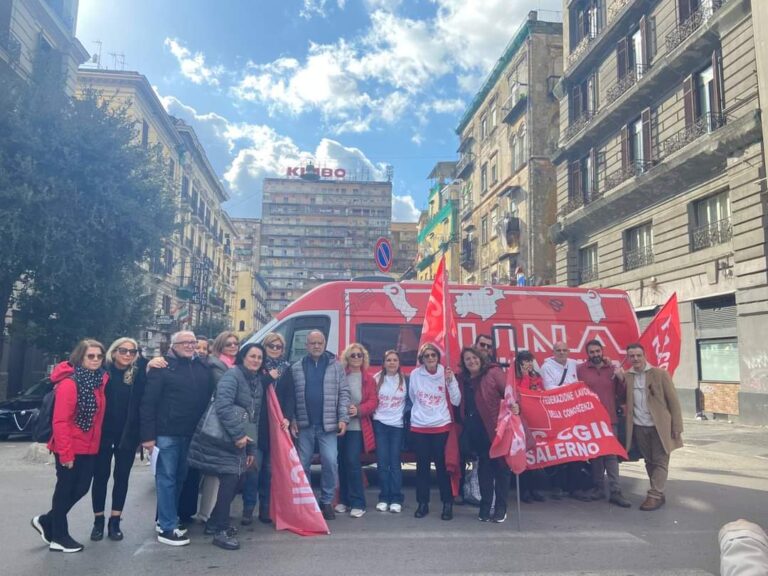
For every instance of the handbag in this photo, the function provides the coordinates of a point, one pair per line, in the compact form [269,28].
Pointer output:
[212,430]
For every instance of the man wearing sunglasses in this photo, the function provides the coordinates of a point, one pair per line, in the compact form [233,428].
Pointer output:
[322,399]
[174,401]
[484,345]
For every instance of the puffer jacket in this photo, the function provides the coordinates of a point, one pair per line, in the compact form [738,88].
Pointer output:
[235,389]
[335,393]
[68,439]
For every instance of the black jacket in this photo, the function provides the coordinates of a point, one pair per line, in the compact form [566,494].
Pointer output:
[238,396]
[175,398]
[130,437]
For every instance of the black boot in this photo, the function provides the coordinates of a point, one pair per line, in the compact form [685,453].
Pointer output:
[421,510]
[113,529]
[97,532]
[226,539]
[447,511]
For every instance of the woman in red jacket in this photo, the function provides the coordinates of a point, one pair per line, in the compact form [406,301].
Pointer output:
[529,379]
[78,414]
[363,400]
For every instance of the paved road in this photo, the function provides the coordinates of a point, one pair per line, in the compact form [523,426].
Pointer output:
[719,476]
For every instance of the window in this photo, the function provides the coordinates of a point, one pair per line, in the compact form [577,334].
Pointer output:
[484,230]
[636,151]
[494,171]
[719,360]
[588,264]
[638,247]
[484,178]
[144,133]
[494,220]
[513,149]
[242,304]
[494,115]
[166,305]
[586,20]
[636,145]
[583,100]
[378,338]
[522,144]
[484,127]
[241,326]
[702,96]
[711,221]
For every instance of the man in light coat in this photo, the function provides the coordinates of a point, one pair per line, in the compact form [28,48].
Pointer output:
[322,399]
[654,421]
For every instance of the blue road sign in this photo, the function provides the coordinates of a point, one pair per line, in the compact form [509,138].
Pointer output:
[383,254]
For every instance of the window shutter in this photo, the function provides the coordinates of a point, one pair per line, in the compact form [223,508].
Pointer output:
[575,180]
[581,24]
[689,101]
[576,102]
[683,10]
[593,176]
[621,58]
[717,86]
[624,147]
[647,144]
[645,40]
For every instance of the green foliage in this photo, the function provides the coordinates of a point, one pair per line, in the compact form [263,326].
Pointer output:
[82,203]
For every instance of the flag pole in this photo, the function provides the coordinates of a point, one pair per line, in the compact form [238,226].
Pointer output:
[446,331]
[517,494]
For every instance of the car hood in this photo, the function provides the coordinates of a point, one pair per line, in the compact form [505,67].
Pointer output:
[26,403]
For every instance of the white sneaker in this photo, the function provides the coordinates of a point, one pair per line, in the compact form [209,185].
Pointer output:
[396,508]
[180,531]
[357,512]
[382,506]
[340,508]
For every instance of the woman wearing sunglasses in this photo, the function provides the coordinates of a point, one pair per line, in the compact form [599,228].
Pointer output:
[78,414]
[120,434]
[363,400]
[431,388]
[257,481]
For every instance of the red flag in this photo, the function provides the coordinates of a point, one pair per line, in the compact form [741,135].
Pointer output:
[509,441]
[661,338]
[440,330]
[292,502]
[438,327]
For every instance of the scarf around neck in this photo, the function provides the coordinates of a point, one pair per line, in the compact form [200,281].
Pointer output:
[86,382]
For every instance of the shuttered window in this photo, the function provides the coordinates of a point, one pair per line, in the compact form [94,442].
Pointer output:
[715,317]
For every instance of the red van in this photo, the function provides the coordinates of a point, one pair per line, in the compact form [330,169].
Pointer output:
[386,314]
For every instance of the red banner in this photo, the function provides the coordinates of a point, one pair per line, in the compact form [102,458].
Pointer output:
[569,424]
[292,502]
[509,442]
[661,338]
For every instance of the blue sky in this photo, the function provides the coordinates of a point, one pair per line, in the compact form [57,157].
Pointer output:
[358,84]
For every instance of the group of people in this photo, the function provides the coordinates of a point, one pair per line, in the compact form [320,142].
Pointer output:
[110,402]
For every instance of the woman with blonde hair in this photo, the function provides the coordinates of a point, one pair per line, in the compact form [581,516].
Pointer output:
[120,433]
[78,414]
[359,435]
[388,427]
[431,388]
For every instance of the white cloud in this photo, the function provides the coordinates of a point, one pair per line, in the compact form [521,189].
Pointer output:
[404,209]
[192,65]
[449,106]
[313,8]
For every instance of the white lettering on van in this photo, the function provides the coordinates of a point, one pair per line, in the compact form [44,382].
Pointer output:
[536,342]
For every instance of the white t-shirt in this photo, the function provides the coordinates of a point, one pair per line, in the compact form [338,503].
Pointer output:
[640,413]
[427,391]
[391,401]
[552,373]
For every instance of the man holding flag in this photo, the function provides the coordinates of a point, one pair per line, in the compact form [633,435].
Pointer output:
[654,420]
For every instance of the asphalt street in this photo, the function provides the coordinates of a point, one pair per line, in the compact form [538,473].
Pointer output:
[720,475]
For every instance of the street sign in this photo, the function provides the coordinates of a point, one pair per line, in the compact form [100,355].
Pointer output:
[383,254]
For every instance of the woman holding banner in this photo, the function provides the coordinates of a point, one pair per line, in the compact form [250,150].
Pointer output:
[431,389]
[528,379]
[483,390]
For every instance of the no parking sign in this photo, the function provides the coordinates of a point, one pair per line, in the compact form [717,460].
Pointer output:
[383,254]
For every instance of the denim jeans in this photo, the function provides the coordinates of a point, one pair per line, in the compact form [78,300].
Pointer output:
[351,491]
[388,442]
[169,478]
[257,482]
[328,458]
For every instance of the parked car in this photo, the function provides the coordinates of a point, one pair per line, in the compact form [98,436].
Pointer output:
[18,415]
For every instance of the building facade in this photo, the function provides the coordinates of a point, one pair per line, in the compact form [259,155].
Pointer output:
[192,276]
[250,310]
[507,136]
[315,230]
[661,181]
[41,33]
[438,227]
[404,237]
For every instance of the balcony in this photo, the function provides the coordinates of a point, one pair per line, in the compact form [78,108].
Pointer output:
[638,258]
[579,124]
[673,172]
[468,253]
[464,164]
[581,49]
[513,107]
[705,124]
[577,202]
[631,78]
[467,208]
[588,274]
[700,16]
[425,262]
[634,168]
[712,234]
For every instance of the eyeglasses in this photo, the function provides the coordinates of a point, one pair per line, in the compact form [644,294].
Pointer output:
[429,355]
[275,346]
[561,349]
[128,351]
[484,345]
[232,343]
[356,355]
[94,356]
[186,343]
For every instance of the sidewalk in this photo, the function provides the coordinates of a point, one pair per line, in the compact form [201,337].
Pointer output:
[720,436]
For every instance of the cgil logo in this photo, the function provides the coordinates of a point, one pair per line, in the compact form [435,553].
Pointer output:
[321,172]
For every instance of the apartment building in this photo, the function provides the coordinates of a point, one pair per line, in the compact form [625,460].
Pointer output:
[41,33]
[508,184]
[250,310]
[318,226]
[438,227]
[404,238]
[661,181]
